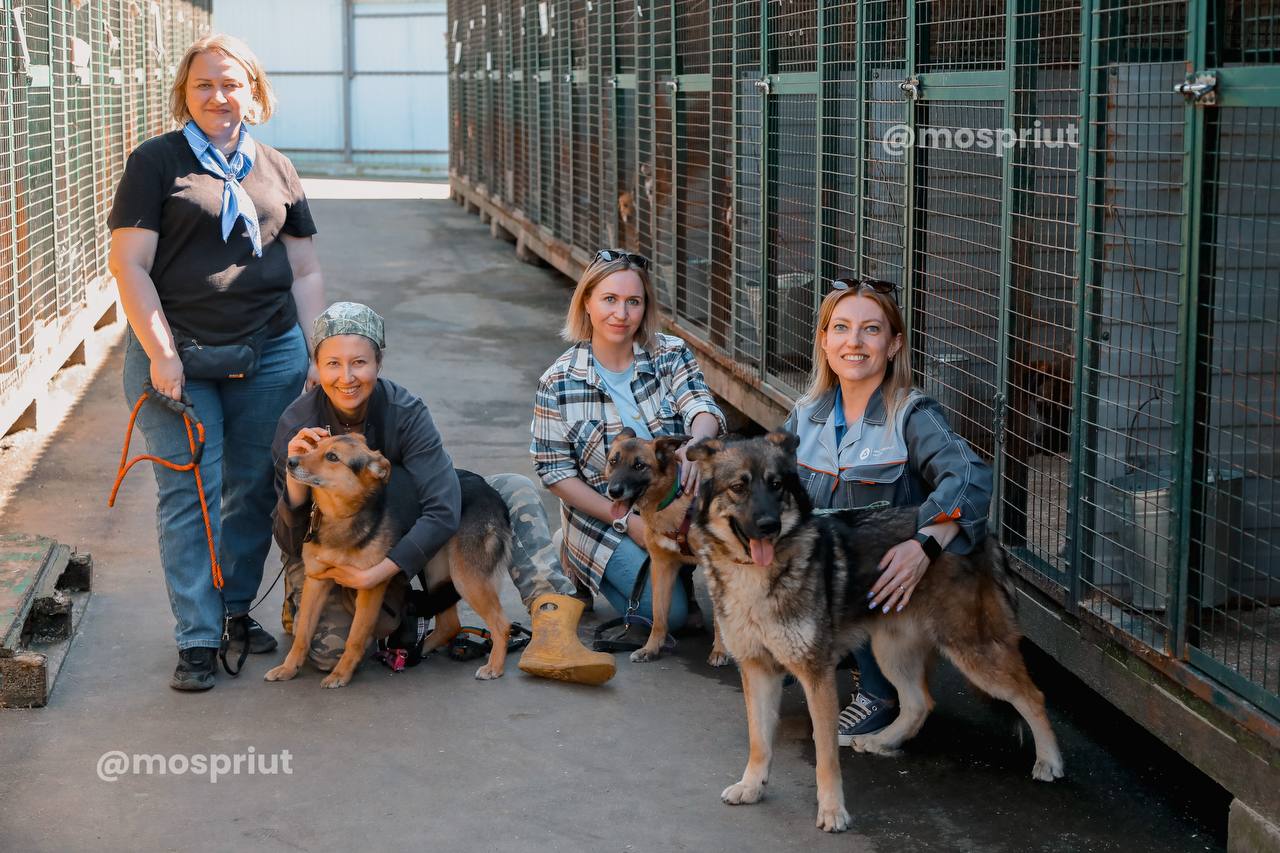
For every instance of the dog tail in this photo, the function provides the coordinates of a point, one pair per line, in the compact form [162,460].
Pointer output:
[1004,575]
[498,547]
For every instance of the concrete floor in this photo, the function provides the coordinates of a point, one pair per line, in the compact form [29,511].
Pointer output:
[431,759]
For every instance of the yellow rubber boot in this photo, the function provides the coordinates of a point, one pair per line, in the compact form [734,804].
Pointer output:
[555,650]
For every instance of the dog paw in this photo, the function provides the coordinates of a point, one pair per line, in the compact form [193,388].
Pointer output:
[643,655]
[717,658]
[833,818]
[283,672]
[333,679]
[872,745]
[742,793]
[1047,770]
[488,673]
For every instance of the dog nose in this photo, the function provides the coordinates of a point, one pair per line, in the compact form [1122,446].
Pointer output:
[615,492]
[768,525]
[294,462]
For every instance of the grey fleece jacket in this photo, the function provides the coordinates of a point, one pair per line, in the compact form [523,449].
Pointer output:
[399,426]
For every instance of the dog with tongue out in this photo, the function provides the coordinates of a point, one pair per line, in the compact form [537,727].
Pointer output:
[790,589]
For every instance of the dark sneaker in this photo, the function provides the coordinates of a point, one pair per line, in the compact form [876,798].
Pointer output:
[195,669]
[260,640]
[863,716]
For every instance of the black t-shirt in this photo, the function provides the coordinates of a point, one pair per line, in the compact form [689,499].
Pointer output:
[213,291]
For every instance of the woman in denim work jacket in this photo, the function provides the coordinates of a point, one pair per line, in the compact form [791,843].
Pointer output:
[868,439]
[619,372]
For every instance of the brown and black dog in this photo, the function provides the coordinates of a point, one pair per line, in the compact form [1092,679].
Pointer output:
[790,594]
[644,477]
[356,521]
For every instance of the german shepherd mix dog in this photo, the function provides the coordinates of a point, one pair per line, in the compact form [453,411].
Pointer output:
[355,521]
[644,477]
[790,593]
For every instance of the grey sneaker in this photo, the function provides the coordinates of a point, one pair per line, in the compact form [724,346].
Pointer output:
[195,669]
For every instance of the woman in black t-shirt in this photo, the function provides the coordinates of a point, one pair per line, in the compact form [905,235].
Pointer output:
[210,247]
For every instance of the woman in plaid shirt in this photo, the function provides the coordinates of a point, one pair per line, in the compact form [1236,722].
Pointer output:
[619,372]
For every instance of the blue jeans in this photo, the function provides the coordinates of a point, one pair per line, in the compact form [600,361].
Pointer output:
[870,679]
[239,417]
[620,578]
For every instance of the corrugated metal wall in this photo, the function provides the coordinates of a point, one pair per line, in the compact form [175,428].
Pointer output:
[81,84]
[361,83]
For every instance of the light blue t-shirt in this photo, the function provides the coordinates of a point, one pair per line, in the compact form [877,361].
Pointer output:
[618,384]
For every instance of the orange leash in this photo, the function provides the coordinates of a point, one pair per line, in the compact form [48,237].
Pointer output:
[195,441]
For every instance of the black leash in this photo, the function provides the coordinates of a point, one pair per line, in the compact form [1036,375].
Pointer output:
[618,642]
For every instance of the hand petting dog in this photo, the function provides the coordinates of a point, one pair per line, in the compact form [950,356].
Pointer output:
[354,578]
[901,569]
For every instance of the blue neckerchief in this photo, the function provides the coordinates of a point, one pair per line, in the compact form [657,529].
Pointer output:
[236,203]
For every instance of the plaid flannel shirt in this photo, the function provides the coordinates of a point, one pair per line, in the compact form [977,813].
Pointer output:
[575,421]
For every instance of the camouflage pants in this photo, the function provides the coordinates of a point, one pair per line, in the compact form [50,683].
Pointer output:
[535,563]
[535,571]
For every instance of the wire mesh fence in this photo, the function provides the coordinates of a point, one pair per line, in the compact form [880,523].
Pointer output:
[82,82]
[1077,196]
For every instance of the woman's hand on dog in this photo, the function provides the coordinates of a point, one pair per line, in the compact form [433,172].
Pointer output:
[901,570]
[306,440]
[353,578]
[688,471]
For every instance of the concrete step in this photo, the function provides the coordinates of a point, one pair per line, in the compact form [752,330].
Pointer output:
[44,590]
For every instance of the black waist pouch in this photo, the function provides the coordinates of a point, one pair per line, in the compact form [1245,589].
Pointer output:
[223,361]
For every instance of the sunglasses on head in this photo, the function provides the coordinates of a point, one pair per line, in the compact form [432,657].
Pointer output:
[877,284]
[611,255]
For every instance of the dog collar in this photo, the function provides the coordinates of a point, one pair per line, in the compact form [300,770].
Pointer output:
[675,492]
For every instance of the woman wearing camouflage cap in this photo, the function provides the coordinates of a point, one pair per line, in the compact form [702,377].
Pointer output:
[348,340]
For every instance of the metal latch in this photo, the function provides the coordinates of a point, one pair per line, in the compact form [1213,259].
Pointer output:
[1199,89]
[613,82]
[910,87]
[763,86]
[672,86]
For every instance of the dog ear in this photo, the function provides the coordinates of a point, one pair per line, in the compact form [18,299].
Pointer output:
[627,432]
[788,441]
[378,466]
[665,448]
[793,484]
[703,449]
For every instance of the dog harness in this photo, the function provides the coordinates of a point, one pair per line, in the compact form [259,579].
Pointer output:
[680,535]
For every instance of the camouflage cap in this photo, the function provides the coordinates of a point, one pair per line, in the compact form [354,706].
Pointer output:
[348,318]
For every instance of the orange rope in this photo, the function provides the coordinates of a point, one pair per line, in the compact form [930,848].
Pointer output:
[190,466]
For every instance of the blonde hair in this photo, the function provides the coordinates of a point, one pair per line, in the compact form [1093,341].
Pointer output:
[232,48]
[577,323]
[897,383]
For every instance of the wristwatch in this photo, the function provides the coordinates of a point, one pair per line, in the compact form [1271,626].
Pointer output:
[932,549]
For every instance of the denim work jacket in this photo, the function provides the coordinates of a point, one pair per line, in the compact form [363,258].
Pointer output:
[915,459]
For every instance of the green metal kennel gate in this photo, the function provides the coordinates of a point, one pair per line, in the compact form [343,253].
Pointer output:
[82,82]
[1097,307]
